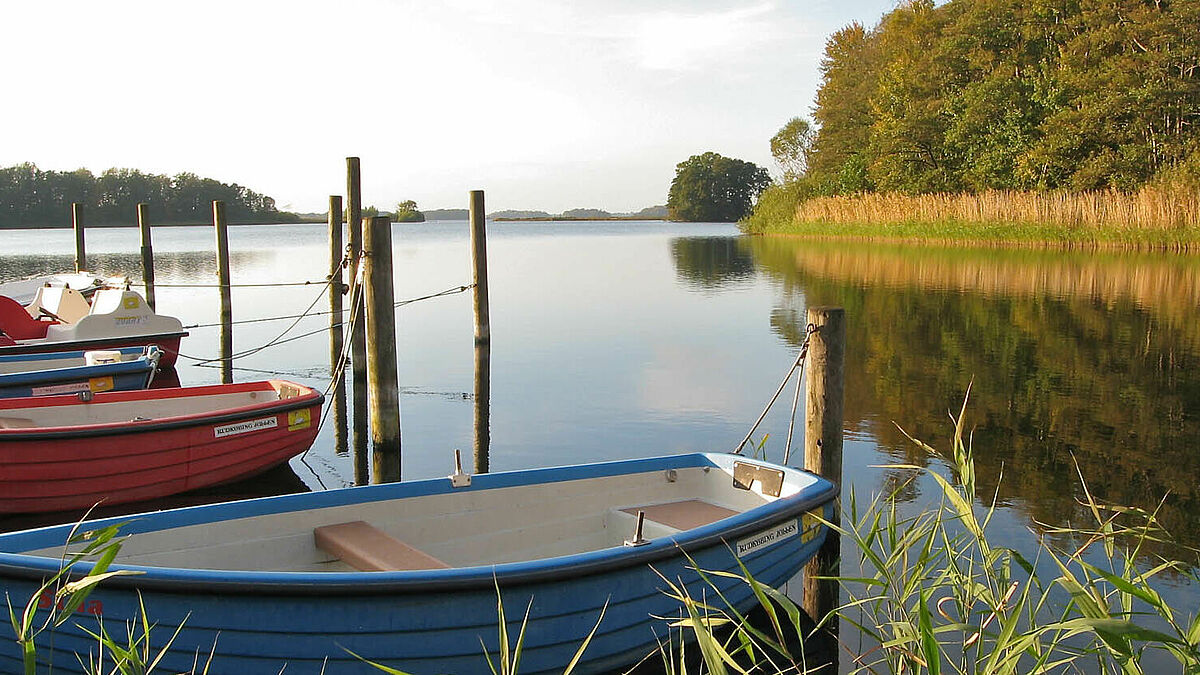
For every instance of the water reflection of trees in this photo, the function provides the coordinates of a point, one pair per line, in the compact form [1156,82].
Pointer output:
[711,262]
[174,265]
[1074,358]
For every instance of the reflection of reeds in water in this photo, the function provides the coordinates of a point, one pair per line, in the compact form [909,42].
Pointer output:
[1167,284]
[1157,209]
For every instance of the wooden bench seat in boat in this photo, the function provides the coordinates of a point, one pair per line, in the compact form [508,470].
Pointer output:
[369,549]
[683,515]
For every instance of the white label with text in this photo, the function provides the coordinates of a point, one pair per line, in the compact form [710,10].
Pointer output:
[777,533]
[245,427]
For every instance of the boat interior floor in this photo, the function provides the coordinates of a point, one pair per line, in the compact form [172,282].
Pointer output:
[456,528]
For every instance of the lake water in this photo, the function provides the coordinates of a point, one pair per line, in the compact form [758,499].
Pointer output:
[617,340]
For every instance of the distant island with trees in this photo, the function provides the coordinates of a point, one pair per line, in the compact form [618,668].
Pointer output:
[407,211]
[1002,121]
[31,198]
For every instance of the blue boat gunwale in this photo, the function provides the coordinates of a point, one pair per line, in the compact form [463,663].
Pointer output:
[76,353]
[722,533]
[147,361]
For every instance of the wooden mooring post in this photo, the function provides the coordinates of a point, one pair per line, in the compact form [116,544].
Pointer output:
[222,229]
[382,378]
[143,218]
[358,334]
[483,333]
[77,223]
[337,345]
[823,417]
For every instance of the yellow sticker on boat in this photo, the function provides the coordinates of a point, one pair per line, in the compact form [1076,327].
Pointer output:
[299,419]
[767,537]
[98,384]
[810,526]
[131,302]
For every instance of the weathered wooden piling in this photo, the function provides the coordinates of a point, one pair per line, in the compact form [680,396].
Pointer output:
[358,335]
[382,378]
[78,224]
[483,333]
[337,345]
[483,329]
[824,400]
[222,230]
[143,218]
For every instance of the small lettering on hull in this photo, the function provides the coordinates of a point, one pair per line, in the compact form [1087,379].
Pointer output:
[245,427]
[776,534]
[93,607]
[54,389]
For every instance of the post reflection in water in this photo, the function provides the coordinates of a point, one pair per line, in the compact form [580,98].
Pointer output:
[483,408]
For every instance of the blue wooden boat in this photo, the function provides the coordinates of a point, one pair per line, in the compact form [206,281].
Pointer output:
[406,574]
[51,373]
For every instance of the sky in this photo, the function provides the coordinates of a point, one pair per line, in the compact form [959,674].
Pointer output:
[544,104]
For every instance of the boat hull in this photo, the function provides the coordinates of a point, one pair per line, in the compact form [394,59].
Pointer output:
[67,372]
[439,621]
[74,468]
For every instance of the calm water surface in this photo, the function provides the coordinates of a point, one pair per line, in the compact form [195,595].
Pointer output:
[634,339]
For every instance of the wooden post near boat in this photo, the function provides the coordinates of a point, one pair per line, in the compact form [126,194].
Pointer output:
[143,218]
[337,345]
[77,223]
[483,333]
[824,400]
[382,378]
[483,329]
[358,335]
[222,229]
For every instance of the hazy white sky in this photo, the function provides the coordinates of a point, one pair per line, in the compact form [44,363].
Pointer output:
[546,104]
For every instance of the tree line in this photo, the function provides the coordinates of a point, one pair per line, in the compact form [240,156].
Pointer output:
[977,95]
[31,197]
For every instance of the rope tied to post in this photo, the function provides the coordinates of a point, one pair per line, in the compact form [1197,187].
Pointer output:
[799,363]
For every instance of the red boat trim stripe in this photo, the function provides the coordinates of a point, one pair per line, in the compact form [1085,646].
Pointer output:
[285,405]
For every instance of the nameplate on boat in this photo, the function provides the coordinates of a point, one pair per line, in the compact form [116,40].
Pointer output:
[53,389]
[778,533]
[129,320]
[245,427]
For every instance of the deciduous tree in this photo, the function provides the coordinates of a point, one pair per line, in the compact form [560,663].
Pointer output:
[713,188]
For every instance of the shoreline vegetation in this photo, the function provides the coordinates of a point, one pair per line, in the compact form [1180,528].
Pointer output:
[1000,122]
[1165,217]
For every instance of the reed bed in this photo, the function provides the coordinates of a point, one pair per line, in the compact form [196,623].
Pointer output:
[1166,215]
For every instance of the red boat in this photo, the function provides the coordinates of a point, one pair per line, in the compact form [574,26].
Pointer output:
[61,319]
[61,453]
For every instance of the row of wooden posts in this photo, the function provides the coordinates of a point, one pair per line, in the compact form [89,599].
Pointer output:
[372,339]
[372,355]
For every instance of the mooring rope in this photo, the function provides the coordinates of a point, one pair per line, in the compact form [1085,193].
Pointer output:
[276,341]
[798,364]
[398,304]
[265,285]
